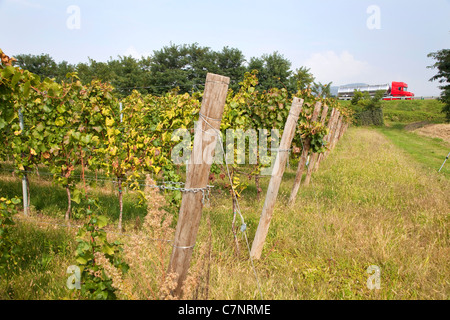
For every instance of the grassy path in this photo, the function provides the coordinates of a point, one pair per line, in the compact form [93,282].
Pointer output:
[430,152]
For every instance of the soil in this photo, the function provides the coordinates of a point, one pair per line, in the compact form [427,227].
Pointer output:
[416,125]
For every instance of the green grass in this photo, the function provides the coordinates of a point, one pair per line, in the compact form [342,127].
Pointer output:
[45,252]
[371,203]
[407,111]
[51,199]
[429,152]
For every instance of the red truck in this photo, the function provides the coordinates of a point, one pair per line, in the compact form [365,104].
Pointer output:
[396,91]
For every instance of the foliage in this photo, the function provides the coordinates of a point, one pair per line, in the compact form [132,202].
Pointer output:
[71,124]
[92,240]
[368,109]
[44,66]
[302,79]
[273,70]
[8,246]
[183,66]
[442,63]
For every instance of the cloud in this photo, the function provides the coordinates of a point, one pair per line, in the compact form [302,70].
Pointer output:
[339,68]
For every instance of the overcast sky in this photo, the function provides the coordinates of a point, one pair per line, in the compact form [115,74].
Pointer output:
[343,41]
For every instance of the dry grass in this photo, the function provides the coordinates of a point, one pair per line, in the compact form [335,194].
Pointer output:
[441,131]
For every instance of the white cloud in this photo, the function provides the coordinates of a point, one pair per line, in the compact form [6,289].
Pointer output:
[339,68]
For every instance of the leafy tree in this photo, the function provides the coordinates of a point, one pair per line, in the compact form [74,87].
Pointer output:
[43,65]
[322,90]
[95,71]
[130,74]
[186,66]
[230,62]
[368,109]
[442,63]
[169,69]
[273,71]
[63,69]
[302,79]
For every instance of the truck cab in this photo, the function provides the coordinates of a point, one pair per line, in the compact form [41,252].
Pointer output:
[400,90]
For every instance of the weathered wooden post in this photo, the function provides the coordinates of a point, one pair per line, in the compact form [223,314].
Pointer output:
[303,158]
[333,134]
[210,118]
[315,156]
[275,181]
[331,124]
[338,131]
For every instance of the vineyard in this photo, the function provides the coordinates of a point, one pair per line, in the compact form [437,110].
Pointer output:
[84,139]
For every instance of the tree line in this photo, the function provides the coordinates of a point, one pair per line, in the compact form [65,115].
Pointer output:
[183,66]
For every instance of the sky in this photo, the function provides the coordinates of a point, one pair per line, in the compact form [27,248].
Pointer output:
[341,41]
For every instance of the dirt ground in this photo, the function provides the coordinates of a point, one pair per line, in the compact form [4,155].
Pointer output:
[435,131]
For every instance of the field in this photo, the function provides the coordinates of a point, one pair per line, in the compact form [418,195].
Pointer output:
[377,200]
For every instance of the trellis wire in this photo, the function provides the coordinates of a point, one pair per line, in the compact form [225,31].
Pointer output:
[244,225]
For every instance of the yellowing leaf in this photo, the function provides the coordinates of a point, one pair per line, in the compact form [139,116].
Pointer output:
[109,122]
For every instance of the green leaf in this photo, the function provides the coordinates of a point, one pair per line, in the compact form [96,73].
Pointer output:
[102,221]
[17,76]
[8,71]
[16,201]
[76,196]
[26,89]
[106,249]
[76,135]
[81,260]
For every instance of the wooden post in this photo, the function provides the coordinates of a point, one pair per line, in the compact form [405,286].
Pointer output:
[331,123]
[211,112]
[275,181]
[338,132]
[343,129]
[303,159]
[314,156]
[333,133]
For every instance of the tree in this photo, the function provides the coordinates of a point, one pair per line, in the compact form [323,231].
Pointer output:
[368,109]
[43,65]
[442,58]
[302,79]
[169,69]
[95,71]
[273,71]
[322,90]
[129,74]
[230,62]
